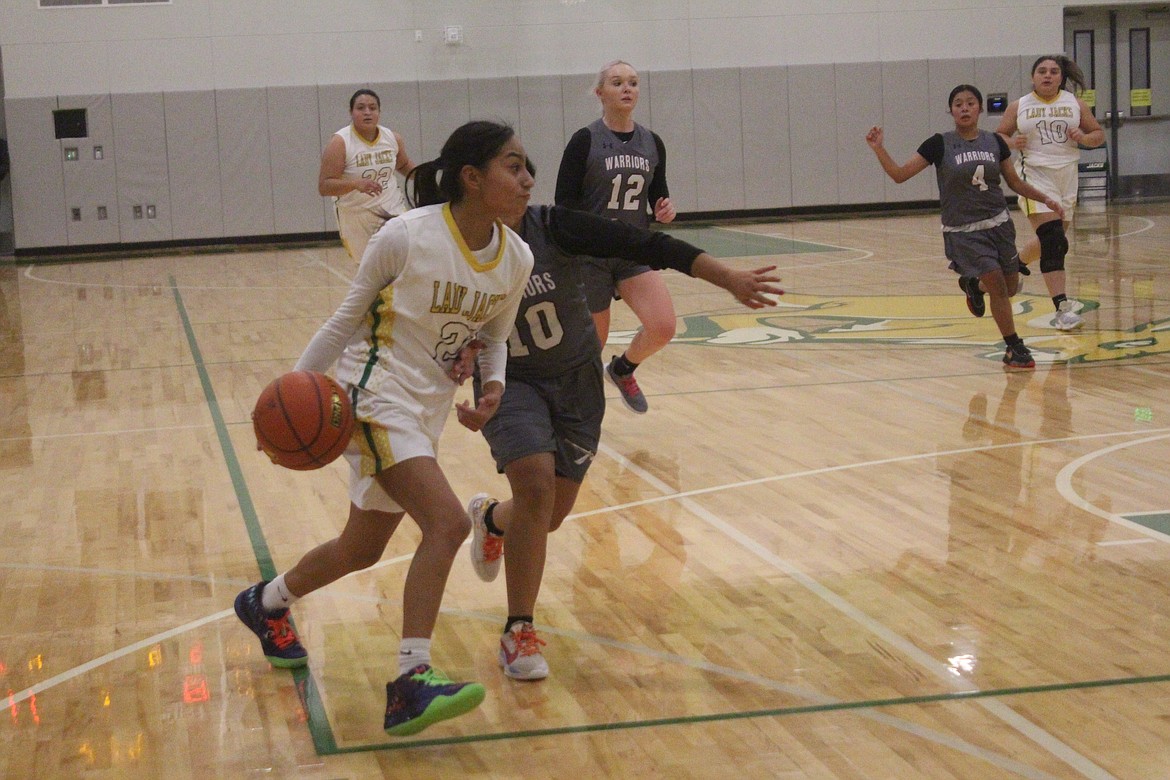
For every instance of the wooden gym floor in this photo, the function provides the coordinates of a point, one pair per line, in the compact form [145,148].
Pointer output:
[844,543]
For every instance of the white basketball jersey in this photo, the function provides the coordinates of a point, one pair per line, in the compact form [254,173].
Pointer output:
[372,160]
[1046,124]
[419,295]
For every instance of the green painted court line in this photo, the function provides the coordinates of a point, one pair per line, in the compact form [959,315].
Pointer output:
[1155,521]
[317,719]
[765,713]
[255,534]
[721,242]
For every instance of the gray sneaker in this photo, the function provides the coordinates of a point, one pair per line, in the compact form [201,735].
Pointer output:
[628,387]
[1066,318]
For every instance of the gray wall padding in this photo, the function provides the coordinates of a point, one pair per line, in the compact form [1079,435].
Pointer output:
[672,116]
[244,168]
[193,165]
[718,140]
[443,106]
[244,162]
[767,158]
[91,183]
[906,117]
[542,129]
[859,177]
[812,128]
[39,216]
[294,154]
[140,140]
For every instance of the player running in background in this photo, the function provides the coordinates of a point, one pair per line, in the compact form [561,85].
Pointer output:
[357,169]
[615,167]
[1048,126]
[978,233]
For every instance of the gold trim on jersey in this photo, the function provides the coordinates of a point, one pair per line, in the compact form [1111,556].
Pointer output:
[1051,100]
[377,135]
[468,256]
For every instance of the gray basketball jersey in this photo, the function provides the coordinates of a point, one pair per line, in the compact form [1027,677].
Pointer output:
[618,174]
[968,179]
[554,330]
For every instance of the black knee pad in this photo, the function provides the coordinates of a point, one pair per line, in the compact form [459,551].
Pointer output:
[1053,246]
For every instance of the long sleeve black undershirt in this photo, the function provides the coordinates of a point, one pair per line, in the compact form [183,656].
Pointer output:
[581,233]
[571,174]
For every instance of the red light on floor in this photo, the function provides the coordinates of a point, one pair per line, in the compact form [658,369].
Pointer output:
[195,689]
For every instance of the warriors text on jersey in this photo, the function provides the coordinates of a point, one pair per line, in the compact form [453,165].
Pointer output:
[618,174]
[554,331]
[418,297]
[1046,124]
[968,175]
[375,160]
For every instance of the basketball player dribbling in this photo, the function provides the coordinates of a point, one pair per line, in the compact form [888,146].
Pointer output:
[432,283]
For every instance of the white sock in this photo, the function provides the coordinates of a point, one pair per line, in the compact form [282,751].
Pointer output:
[276,595]
[412,652]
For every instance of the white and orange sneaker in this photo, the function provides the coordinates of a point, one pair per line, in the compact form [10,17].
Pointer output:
[520,654]
[487,549]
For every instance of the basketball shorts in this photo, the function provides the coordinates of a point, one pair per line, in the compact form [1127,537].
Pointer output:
[561,415]
[980,252]
[389,431]
[1059,183]
[356,227]
[600,277]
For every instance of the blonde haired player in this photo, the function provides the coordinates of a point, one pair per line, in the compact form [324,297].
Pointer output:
[616,168]
[357,169]
[1048,126]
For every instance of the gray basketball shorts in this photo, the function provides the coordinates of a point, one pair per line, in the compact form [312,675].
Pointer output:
[600,277]
[982,251]
[561,415]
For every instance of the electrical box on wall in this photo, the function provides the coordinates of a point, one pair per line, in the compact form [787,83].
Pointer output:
[70,123]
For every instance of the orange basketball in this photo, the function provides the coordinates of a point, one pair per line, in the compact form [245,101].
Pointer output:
[303,420]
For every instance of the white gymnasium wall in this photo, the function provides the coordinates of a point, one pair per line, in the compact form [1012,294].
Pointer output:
[192,45]
[211,113]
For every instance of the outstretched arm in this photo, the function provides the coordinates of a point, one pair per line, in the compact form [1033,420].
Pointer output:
[750,287]
[899,173]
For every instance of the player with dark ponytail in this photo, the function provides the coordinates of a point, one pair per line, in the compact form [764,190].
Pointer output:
[432,282]
[978,233]
[1048,126]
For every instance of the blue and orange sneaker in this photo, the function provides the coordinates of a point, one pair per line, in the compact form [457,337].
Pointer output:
[424,696]
[278,639]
